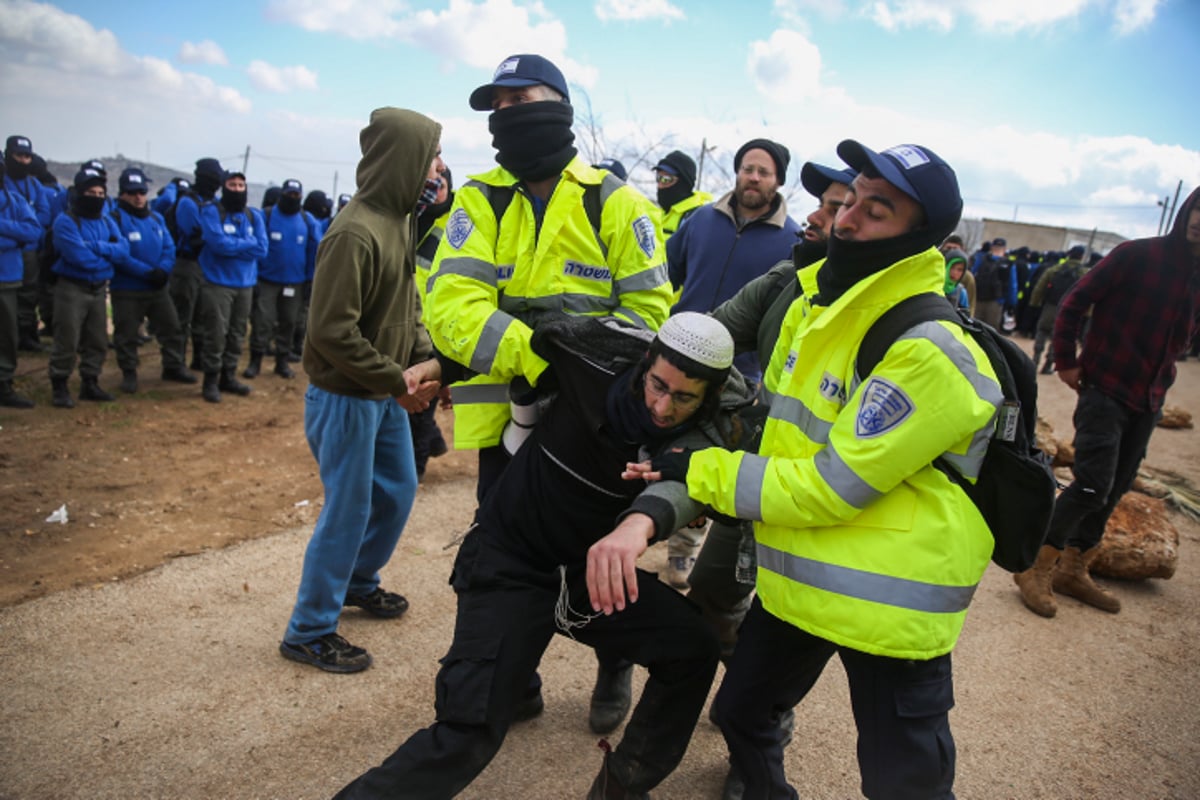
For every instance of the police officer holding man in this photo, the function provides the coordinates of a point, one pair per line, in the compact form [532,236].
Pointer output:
[542,232]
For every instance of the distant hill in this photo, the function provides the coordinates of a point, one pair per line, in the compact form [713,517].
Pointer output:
[159,176]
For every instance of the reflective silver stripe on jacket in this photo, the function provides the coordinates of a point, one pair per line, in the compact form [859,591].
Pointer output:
[790,409]
[844,481]
[747,495]
[888,590]
[474,268]
[632,317]
[572,303]
[478,393]
[643,281]
[488,343]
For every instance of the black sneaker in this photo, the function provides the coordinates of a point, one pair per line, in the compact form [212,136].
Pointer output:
[379,603]
[330,652]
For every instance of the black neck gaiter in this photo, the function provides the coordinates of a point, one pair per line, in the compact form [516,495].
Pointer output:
[16,170]
[89,206]
[627,415]
[805,252]
[206,186]
[133,211]
[533,140]
[233,202]
[289,205]
[850,262]
[673,194]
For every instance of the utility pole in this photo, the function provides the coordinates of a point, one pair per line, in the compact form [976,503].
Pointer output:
[1162,218]
[1016,209]
[704,150]
[335,177]
[246,160]
[1174,205]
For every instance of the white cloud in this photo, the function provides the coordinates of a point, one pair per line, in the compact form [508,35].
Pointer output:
[205,52]
[478,34]
[637,10]
[1006,16]
[43,42]
[785,66]
[1133,15]
[281,79]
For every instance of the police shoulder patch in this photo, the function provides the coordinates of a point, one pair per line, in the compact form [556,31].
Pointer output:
[643,229]
[884,406]
[458,228]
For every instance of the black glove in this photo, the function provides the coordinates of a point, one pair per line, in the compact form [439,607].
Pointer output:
[673,464]
[158,277]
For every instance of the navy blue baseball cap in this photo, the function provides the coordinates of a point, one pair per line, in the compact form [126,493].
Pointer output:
[613,166]
[816,178]
[915,170]
[521,70]
[133,180]
[291,185]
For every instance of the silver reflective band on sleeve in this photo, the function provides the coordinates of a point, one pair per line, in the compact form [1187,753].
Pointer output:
[986,388]
[969,465]
[747,495]
[853,490]
[642,281]
[790,409]
[474,268]
[887,590]
[572,303]
[632,317]
[471,393]
[488,342]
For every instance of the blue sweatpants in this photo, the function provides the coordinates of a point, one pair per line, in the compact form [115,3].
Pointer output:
[364,452]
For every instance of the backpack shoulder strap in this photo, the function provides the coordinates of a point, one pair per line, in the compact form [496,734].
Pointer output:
[893,323]
[593,203]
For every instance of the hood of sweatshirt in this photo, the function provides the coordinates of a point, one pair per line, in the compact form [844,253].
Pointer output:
[398,146]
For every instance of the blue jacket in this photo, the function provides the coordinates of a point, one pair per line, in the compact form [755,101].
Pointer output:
[187,224]
[291,247]
[87,248]
[18,227]
[150,246]
[170,194]
[233,245]
[36,195]
[712,259]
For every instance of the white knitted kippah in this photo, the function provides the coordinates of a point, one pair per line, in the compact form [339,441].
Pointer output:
[699,337]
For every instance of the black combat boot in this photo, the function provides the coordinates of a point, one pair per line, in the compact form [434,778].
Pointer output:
[129,384]
[10,399]
[254,367]
[611,698]
[210,391]
[281,367]
[230,383]
[90,390]
[178,375]
[62,395]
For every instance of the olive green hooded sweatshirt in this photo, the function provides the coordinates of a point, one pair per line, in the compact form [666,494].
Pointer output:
[364,323]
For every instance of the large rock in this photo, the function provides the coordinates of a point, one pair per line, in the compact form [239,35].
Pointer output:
[1175,417]
[1139,542]
[1061,453]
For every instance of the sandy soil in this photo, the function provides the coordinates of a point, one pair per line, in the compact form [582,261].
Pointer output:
[138,641]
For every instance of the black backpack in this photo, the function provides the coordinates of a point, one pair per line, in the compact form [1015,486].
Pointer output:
[1061,282]
[1016,489]
[195,242]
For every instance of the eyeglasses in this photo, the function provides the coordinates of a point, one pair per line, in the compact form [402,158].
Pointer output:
[681,400]
[665,179]
[750,169]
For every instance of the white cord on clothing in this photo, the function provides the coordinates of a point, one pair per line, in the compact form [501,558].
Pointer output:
[563,610]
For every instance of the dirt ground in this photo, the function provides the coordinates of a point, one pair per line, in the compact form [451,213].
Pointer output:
[138,645]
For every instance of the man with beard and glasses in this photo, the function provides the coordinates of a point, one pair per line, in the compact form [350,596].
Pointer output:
[88,244]
[543,232]
[139,284]
[235,238]
[718,250]
[675,179]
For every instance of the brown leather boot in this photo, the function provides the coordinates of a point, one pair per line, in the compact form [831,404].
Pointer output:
[1071,578]
[1035,582]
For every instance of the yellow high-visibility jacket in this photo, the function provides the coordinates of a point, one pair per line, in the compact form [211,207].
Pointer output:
[671,218]
[492,278]
[861,540]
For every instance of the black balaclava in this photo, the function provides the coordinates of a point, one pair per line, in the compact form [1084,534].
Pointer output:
[232,201]
[88,206]
[133,211]
[289,203]
[206,185]
[533,140]
[673,194]
[315,204]
[850,262]
[16,170]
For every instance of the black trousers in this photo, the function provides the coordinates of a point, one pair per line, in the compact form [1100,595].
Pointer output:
[901,709]
[506,616]
[426,435]
[1110,443]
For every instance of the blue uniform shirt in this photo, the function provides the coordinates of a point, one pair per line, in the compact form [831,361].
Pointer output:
[18,228]
[87,248]
[291,247]
[233,245]
[150,246]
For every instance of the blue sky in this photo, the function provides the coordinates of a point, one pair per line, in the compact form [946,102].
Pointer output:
[1077,112]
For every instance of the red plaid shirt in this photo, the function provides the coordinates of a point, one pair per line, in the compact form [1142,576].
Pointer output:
[1145,300]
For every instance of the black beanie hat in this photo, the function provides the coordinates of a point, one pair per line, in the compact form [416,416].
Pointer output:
[682,165]
[212,168]
[778,153]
